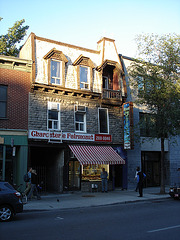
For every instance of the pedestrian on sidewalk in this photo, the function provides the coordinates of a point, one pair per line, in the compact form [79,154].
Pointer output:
[33,191]
[136,178]
[141,177]
[104,176]
[27,179]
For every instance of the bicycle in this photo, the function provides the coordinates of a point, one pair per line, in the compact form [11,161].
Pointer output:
[19,189]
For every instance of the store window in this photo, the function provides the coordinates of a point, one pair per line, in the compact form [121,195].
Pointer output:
[84,77]
[56,72]
[3,101]
[53,116]
[93,171]
[80,118]
[103,120]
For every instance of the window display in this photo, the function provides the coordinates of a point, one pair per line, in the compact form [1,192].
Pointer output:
[93,171]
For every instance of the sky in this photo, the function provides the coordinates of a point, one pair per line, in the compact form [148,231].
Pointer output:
[84,23]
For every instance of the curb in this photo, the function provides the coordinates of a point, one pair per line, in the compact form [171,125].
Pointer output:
[98,205]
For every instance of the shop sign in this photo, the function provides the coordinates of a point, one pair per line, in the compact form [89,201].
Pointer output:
[103,138]
[128,125]
[67,136]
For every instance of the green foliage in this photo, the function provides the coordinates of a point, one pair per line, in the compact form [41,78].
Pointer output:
[8,42]
[156,82]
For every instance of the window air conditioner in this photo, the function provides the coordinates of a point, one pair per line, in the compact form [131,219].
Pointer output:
[80,108]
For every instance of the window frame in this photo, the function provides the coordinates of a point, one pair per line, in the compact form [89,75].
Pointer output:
[77,111]
[54,77]
[88,77]
[4,102]
[50,108]
[105,82]
[145,120]
[99,127]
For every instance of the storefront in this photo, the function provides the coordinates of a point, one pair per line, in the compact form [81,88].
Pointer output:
[13,155]
[76,160]
[92,159]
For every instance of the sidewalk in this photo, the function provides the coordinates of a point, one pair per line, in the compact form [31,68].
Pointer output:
[79,199]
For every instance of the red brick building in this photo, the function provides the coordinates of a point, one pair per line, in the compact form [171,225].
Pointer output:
[15,83]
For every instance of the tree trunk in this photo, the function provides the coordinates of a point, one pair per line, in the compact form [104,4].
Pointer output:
[162,188]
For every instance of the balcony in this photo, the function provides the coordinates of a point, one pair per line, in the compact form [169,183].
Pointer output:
[112,97]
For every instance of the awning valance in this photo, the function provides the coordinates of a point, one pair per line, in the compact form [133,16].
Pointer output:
[96,155]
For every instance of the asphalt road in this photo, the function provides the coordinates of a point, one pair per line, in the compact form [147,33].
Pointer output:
[149,220]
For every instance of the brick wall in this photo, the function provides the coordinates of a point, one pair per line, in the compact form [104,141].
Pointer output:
[18,83]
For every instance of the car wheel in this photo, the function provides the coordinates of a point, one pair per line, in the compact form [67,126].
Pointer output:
[6,213]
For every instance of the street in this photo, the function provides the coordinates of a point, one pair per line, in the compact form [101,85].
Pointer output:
[156,219]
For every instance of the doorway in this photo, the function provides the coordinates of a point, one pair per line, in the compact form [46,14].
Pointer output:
[74,175]
[115,175]
[151,167]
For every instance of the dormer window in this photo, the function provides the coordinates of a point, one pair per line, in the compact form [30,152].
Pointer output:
[56,72]
[84,67]
[84,77]
[56,67]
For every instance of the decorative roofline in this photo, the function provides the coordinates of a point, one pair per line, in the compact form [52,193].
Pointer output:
[65,91]
[15,63]
[66,44]
[84,60]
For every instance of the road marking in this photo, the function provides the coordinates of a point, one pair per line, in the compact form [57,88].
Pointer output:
[59,218]
[163,229]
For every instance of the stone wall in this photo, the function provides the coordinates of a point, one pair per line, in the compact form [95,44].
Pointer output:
[38,114]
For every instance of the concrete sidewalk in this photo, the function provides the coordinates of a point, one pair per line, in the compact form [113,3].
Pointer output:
[79,199]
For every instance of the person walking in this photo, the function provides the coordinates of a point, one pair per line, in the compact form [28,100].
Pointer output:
[104,176]
[27,179]
[33,190]
[136,178]
[141,176]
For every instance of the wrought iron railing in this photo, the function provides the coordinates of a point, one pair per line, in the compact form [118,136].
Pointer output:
[111,94]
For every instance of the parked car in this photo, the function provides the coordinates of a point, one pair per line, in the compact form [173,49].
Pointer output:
[10,202]
[174,192]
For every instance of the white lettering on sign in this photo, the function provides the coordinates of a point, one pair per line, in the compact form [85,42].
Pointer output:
[37,134]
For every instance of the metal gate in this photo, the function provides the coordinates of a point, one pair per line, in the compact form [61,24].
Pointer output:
[41,178]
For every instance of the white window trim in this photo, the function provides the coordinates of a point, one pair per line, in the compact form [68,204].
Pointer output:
[88,76]
[55,60]
[51,106]
[107,121]
[78,111]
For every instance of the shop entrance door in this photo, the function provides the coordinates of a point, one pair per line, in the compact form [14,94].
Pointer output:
[151,167]
[74,175]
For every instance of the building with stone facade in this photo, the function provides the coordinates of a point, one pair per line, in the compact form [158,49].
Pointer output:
[76,114]
[15,82]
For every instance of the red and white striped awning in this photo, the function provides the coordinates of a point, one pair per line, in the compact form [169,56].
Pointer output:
[96,155]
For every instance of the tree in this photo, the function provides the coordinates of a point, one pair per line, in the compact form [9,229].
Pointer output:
[157,84]
[8,42]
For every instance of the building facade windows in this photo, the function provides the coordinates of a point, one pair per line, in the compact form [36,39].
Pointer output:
[103,120]
[84,77]
[147,125]
[56,72]
[105,83]
[80,118]
[53,116]
[3,101]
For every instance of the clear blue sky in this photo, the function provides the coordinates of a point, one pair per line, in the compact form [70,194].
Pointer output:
[83,23]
